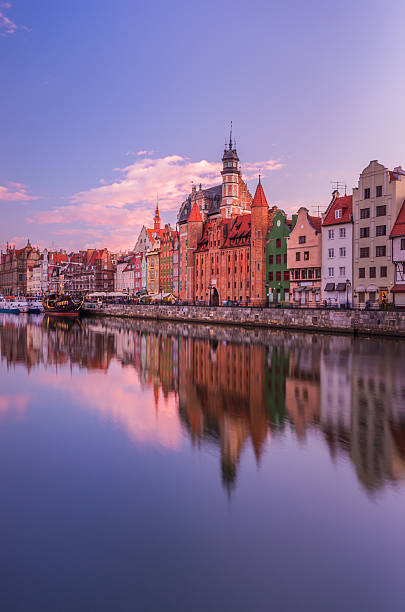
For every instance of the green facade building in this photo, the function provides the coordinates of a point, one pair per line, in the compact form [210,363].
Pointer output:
[277,275]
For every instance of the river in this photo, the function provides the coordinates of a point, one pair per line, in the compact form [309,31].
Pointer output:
[148,466]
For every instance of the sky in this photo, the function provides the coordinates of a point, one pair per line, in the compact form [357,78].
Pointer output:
[104,105]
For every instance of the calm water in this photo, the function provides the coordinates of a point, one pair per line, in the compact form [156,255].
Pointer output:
[168,467]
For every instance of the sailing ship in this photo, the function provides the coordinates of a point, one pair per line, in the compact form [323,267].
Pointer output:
[62,305]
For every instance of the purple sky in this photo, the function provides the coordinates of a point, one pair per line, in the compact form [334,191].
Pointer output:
[105,104]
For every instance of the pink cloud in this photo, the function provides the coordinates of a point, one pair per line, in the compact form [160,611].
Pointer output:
[118,210]
[15,192]
[7,26]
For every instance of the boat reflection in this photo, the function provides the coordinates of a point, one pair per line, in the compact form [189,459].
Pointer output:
[232,388]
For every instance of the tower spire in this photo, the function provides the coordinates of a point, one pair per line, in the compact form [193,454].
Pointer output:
[230,138]
[156,218]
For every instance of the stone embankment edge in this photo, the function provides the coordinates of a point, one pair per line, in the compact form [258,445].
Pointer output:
[352,322]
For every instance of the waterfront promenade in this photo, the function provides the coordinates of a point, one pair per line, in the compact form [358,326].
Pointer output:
[368,322]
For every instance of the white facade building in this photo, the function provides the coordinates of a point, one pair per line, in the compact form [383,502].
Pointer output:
[397,237]
[337,252]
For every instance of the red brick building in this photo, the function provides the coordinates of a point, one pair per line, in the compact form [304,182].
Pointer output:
[224,258]
[214,210]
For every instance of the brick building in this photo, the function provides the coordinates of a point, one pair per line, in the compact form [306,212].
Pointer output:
[214,210]
[16,269]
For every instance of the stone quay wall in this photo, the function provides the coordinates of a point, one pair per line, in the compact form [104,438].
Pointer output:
[378,322]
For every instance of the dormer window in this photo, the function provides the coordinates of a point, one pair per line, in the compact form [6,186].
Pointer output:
[338,213]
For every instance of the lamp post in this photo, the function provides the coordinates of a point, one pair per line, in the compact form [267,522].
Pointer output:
[347,292]
[267,294]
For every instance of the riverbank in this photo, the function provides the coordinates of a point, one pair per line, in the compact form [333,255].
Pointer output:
[368,322]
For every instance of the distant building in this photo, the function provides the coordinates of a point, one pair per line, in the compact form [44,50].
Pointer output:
[376,204]
[152,268]
[16,269]
[304,259]
[168,244]
[119,278]
[337,251]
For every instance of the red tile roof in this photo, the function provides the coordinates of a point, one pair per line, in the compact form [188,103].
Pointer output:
[345,203]
[260,198]
[315,222]
[239,232]
[398,228]
[195,214]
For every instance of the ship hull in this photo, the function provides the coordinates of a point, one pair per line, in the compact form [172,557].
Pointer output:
[62,306]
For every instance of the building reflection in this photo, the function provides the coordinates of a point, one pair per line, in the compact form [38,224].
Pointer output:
[237,390]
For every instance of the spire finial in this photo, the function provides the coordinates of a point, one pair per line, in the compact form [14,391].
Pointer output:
[259,177]
[230,138]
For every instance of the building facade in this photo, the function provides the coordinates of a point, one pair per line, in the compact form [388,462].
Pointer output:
[167,246]
[16,269]
[304,252]
[376,204]
[397,237]
[337,251]
[278,276]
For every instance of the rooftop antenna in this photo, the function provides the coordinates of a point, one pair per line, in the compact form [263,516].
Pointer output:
[336,185]
[317,209]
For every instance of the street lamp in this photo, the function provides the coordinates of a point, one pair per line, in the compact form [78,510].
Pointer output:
[347,292]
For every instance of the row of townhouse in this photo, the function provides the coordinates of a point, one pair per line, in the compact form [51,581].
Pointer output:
[354,255]
[233,247]
[152,266]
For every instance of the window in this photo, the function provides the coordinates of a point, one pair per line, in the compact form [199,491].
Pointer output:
[342,252]
[380,230]
[318,273]
[364,232]
[367,193]
[362,272]
[331,253]
[362,297]
[342,271]
[278,259]
[383,271]
[365,252]
[306,255]
[338,213]
[270,259]
[297,256]
[372,272]
[286,276]
[297,275]
[331,234]
[278,243]
[342,232]
[331,272]
[381,211]
[402,244]
[378,191]
[380,251]
[285,258]
[310,273]
[278,276]
[302,239]
[364,213]
[303,274]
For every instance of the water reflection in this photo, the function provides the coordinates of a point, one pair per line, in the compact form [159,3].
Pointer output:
[224,387]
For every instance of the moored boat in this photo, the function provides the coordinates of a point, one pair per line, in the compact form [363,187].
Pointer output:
[62,305]
[9,306]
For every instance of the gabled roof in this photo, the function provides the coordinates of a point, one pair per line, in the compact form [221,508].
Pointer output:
[398,229]
[239,231]
[195,214]
[260,198]
[345,204]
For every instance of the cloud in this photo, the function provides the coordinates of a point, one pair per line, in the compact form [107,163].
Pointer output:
[7,26]
[15,192]
[118,210]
